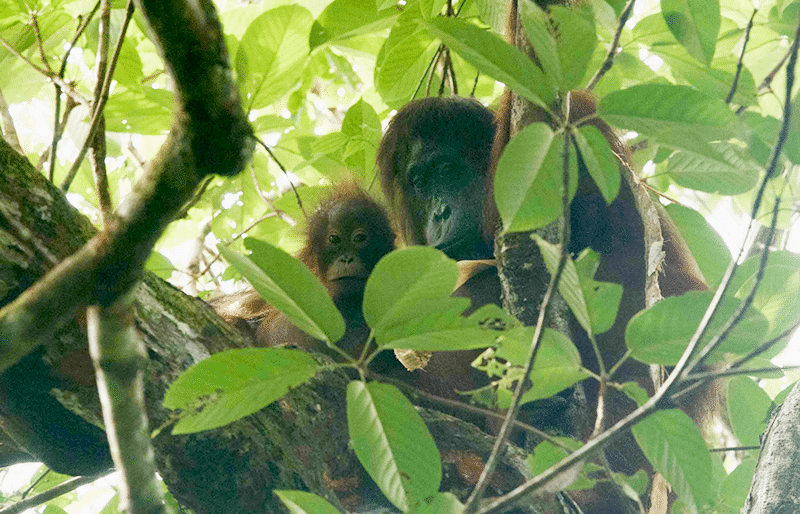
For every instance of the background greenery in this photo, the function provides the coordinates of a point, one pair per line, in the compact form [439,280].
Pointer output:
[321,79]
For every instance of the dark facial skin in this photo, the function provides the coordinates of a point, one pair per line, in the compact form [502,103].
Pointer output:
[434,164]
[445,194]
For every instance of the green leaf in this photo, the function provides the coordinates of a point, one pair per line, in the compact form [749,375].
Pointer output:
[159,265]
[672,443]
[430,8]
[778,290]
[392,443]
[235,383]
[557,365]
[343,19]
[602,298]
[442,503]
[537,28]
[496,58]
[569,286]
[289,286]
[407,303]
[707,245]
[677,116]
[576,41]
[735,487]
[659,335]
[749,407]
[546,455]
[695,24]
[600,161]
[362,125]
[301,502]
[145,111]
[518,168]
[729,171]
[403,67]
[528,177]
[272,54]
[420,272]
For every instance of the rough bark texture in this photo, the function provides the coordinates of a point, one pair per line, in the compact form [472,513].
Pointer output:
[776,483]
[50,407]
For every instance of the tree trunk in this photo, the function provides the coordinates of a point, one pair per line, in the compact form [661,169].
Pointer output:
[776,482]
[49,405]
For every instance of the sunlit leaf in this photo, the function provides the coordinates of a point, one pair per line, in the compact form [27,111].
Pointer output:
[301,502]
[235,383]
[695,24]
[392,443]
[288,285]
[660,334]
[673,445]
[272,53]
[494,57]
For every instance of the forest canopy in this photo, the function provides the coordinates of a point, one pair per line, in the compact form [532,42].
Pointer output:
[697,89]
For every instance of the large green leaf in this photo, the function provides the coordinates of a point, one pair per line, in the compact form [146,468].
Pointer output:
[674,446]
[749,408]
[145,111]
[342,19]
[362,125]
[729,171]
[496,58]
[676,116]
[272,54]
[557,365]
[407,303]
[537,28]
[392,443]
[707,245]
[602,298]
[301,502]
[576,41]
[518,169]
[289,286]
[659,335]
[778,289]
[600,161]
[235,383]
[569,286]
[695,24]
[404,66]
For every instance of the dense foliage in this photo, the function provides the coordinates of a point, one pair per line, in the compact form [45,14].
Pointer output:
[699,91]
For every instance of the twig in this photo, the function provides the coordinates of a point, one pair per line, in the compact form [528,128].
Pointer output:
[97,111]
[289,178]
[8,131]
[741,311]
[267,200]
[97,149]
[767,82]
[711,375]
[741,58]
[476,496]
[466,407]
[608,62]
[238,236]
[500,504]
[62,488]
[58,126]
[58,129]
[66,86]
[37,34]
[734,449]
